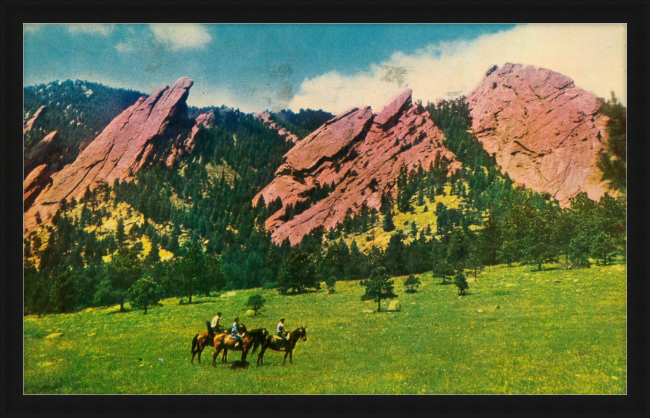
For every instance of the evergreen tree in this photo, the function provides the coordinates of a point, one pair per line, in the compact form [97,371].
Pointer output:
[388,224]
[120,236]
[379,286]
[613,160]
[297,273]
[123,271]
[461,283]
[144,293]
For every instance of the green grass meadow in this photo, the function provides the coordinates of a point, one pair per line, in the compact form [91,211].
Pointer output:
[517,331]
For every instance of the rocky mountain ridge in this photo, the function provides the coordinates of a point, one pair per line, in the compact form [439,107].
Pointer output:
[119,152]
[546,132]
[361,154]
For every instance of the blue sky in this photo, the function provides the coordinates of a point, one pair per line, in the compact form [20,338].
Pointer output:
[257,67]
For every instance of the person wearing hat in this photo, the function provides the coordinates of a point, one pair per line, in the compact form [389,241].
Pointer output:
[281,332]
[215,323]
[235,332]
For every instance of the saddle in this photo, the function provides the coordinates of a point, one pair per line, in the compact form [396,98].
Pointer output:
[276,339]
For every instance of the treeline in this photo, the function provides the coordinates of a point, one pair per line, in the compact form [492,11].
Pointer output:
[200,213]
[302,123]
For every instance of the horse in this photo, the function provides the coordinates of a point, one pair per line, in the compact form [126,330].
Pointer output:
[275,344]
[202,340]
[226,342]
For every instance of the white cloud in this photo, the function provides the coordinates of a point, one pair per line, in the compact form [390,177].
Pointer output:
[90,29]
[204,95]
[593,55]
[31,27]
[123,47]
[181,36]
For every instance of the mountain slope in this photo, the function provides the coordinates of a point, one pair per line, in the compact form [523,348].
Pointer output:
[357,153]
[121,150]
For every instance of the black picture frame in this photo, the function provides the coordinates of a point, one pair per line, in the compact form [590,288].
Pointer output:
[635,403]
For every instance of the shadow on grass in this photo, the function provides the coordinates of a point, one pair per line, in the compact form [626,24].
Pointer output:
[126,310]
[239,365]
[197,302]
[304,292]
[546,269]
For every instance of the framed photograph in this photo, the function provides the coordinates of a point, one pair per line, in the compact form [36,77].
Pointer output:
[303,209]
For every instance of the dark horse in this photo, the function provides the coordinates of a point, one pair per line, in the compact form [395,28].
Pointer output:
[226,342]
[275,343]
[202,340]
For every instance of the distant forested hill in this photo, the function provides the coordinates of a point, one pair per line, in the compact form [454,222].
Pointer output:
[77,110]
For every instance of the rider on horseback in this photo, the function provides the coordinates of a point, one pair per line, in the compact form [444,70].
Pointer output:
[235,332]
[215,323]
[281,332]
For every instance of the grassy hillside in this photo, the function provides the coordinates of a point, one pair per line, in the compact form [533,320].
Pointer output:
[518,331]
[376,235]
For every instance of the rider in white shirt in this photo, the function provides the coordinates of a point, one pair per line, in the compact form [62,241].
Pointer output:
[281,331]
[215,323]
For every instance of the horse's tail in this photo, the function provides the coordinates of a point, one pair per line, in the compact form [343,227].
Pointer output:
[255,344]
[195,343]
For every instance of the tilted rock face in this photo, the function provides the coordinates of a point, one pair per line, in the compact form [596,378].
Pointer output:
[266,119]
[34,183]
[29,124]
[42,152]
[359,152]
[121,150]
[546,132]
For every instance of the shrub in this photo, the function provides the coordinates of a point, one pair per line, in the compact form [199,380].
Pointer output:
[256,302]
[411,283]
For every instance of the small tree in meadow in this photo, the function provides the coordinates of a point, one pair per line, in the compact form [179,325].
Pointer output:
[411,284]
[144,293]
[378,287]
[461,283]
[256,302]
[331,284]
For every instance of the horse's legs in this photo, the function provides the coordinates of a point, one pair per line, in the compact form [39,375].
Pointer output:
[224,359]
[291,356]
[214,357]
[285,358]
[199,353]
[260,356]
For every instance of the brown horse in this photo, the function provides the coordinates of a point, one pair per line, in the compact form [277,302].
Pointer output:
[226,342]
[202,340]
[275,343]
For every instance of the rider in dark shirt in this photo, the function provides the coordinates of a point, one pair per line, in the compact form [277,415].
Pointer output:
[235,332]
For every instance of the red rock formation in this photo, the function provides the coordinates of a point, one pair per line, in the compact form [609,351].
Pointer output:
[122,149]
[361,154]
[29,124]
[546,132]
[267,120]
[33,184]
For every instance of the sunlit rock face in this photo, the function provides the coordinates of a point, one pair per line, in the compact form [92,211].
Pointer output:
[359,152]
[546,132]
[129,142]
